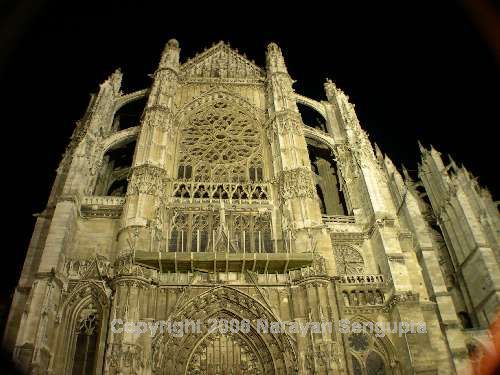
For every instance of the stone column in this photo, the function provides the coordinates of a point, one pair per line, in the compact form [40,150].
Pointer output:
[127,352]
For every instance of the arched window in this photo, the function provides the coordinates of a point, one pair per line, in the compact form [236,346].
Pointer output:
[112,178]
[368,355]
[356,366]
[327,178]
[375,364]
[87,333]
[129,115]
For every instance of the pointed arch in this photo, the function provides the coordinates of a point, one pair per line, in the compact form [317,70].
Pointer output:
[88,297]
[133,96]
[320,137]
[113,161]
[370,354]
[276,353]
[311,103]
[119,138]
[214,95]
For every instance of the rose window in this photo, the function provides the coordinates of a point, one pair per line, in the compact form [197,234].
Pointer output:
[220,142]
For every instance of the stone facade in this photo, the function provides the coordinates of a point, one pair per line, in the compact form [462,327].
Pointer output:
[220,203]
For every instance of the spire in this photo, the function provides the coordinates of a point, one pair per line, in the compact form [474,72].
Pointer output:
[406,174]
[275,62]
[422,148]
[452,162]
[170,55]
[466,171]
[114,81]
[378,153]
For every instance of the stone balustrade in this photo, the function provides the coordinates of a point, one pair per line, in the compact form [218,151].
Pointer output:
[103,201]
[102,206]
[338,219]
[361,279]
[207,192]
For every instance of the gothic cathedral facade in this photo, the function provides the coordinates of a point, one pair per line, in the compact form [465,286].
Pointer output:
[218,202]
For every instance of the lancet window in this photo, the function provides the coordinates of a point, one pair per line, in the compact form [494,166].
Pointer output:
[86,343]
[368,355]
[231,231]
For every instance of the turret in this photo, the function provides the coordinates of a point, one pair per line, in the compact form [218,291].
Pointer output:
[275,62]
[170,56]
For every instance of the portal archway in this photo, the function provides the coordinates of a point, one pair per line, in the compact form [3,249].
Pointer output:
[252,350]
[230,353]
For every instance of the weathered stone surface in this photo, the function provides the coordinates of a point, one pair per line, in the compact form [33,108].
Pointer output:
[229,207]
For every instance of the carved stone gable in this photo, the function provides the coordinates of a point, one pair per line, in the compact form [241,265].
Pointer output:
[221,63]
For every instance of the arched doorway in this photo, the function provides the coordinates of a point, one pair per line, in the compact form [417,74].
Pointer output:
[246,350]
[230,354]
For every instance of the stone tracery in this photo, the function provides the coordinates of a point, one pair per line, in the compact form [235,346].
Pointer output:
[371,355]
[270,353]
[221,142]
[349,260]
[227,189]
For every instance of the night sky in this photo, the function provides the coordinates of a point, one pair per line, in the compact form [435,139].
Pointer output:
[415,71]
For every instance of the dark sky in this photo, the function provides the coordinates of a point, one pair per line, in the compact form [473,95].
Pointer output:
[418,70]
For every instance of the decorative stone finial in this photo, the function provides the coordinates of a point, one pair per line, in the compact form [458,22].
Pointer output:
[173,43]
[330,88]
[170,55]
[421,147]
[406,174]
[116,80]
[273,47]
[274,59]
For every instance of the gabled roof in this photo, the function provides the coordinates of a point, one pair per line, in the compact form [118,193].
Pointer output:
[220,62]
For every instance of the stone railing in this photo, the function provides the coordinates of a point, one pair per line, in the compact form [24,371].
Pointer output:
[338,219]
[362,290]
[103,201]
[207,192]
[361,279]
[102,206]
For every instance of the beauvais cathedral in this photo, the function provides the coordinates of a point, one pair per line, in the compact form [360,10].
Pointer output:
[205,196]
